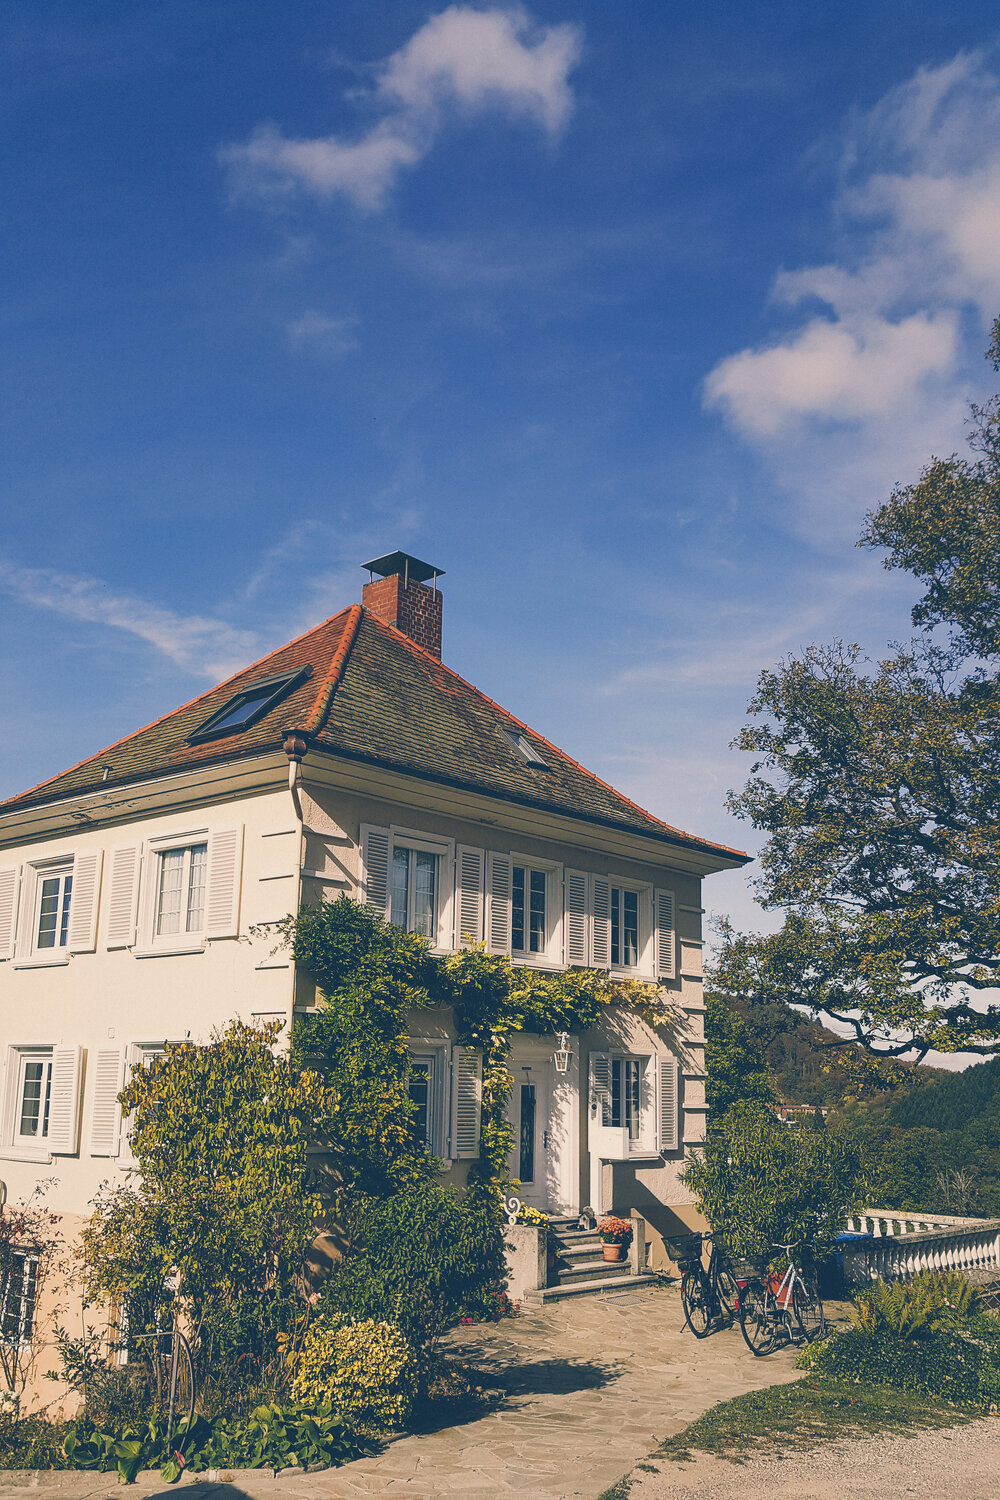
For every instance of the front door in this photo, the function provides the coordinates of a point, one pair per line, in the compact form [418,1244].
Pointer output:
[532,1165]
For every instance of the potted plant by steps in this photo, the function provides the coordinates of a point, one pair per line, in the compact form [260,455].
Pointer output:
[616,1235]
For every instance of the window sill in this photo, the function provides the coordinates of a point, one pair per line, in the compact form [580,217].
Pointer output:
[23,1153]
[41,962]
[171,950]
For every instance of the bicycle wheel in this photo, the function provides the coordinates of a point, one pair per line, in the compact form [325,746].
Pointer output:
[756,1324]
[729,1293]
[808,1309]
[696,1297]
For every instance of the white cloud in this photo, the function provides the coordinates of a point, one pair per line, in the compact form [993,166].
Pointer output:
[318,333]
[472,60]
[845,370]
[919,224]
[199,644]
[486,58]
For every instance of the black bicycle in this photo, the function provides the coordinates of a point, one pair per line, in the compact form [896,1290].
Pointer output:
[710,1297]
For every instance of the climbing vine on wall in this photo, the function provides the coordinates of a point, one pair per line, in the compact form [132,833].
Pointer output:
[370,975]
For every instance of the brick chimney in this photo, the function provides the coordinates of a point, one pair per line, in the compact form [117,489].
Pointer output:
[400,596]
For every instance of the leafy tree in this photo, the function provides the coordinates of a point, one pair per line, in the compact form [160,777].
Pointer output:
[733,1060]
[759,1182]
[878,785]
[222,1207]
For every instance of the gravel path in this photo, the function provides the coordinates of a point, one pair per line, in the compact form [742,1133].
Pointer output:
[958,1463]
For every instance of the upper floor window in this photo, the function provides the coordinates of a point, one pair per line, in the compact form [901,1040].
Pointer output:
[54,891]
[528,930]
[624,928]
[180,906]
[413,890]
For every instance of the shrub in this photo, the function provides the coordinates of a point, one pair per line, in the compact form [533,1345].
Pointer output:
[931,1301]
[759,1182]
[528,1215]
[366,1371]
[420,1258]
[960,1365]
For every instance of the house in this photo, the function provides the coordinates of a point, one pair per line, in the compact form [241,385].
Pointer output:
[137,889]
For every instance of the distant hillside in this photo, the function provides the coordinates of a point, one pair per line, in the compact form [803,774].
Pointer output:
[953,1101]
[805,1070]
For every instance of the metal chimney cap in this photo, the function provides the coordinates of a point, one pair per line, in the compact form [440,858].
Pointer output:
[402,562]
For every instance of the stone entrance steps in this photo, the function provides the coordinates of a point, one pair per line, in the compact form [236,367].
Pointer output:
[580,1267]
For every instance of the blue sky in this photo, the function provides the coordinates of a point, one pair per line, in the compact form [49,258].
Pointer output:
[622,314]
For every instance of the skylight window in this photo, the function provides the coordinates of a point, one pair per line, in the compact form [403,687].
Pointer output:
[525,749]
[256,700]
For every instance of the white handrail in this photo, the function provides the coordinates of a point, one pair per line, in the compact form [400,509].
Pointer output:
[951,1245]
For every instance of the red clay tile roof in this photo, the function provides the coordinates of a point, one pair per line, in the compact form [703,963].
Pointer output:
[373,695]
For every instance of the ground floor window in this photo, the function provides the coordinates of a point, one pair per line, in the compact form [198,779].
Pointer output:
[18,1282]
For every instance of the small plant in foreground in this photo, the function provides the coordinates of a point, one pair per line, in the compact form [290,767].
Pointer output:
[931,1301]
[366,1371]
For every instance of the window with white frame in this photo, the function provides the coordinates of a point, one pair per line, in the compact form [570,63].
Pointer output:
[18,1288]
[625,942]
[41,1100]
[633,1104]
[427,1088]
[408,877]
[628,1083]
[32,1096]
[528,923]
[413,890]
[53,894]
[181,887]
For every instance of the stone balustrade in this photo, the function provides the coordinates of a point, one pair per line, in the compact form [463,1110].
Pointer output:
[905,1244]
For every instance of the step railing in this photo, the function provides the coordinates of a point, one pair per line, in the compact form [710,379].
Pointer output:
[904,1244]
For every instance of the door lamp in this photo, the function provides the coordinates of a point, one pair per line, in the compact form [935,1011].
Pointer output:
[562,1054]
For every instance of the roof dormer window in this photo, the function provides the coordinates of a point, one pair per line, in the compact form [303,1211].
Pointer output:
[523,747]
[255,700]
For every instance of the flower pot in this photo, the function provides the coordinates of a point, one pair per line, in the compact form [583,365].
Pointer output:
[614,1252]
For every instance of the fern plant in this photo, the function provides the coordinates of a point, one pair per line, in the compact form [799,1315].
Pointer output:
[933,1300]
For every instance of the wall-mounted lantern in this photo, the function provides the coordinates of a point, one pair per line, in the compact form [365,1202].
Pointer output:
[562,1054]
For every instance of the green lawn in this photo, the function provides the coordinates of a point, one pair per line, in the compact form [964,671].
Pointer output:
[790,1418]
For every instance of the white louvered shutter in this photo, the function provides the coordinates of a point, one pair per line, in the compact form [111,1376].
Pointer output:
[375,867]
[575,884]
[225,866]
[664,921]
[64,1107]
[600,896]
[105,1112]
[668,1112]
[123,885]
[500,875]
[600,1087]
[10,880]
[466,1102]
[84,902]
[469,895]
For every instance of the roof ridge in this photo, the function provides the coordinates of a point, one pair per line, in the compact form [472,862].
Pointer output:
[180,709]
[436,661]
[327,688]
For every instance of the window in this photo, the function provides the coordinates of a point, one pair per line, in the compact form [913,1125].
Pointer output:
[33,1097]
[523,747]
[249,705]
[528,931]
[180,905]
[624,928]
[54,893]
[413,891]
[626,1094]
[17,1297]
[426,1087]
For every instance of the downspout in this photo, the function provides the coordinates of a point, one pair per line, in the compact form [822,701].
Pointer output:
[295,746]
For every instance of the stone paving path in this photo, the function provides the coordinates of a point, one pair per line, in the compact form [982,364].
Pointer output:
[593,1384]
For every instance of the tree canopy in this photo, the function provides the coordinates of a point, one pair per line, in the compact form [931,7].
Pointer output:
[878,785]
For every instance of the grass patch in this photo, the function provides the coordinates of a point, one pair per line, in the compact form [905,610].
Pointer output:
[795,1418]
